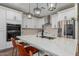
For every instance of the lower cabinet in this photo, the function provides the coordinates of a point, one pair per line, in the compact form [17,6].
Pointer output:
[45,53]
[2,39]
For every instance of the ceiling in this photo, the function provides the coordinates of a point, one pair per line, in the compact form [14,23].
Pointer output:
[24,7]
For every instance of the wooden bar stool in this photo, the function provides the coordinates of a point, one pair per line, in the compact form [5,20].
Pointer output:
[14,46]
[26,51]
[14,50]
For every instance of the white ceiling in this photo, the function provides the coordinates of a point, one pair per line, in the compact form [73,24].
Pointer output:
[44,12]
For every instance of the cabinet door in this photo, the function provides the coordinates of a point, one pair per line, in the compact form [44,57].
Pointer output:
[10,14]
[66,14]
[2,18]
[14,16]
[29,23]
[39,22]
[54,20]
[33,23]
[61,16]
[24,24]
[36,23]
[2,39]
[18,16]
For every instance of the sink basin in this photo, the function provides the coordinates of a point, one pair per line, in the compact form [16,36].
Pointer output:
[50,38]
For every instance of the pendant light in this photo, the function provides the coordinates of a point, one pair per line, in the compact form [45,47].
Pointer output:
[29,15]
[37,10]
[51,6]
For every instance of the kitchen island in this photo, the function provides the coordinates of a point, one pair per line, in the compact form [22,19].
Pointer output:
[57,46]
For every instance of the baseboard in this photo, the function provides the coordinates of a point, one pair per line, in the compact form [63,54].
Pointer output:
[5,49]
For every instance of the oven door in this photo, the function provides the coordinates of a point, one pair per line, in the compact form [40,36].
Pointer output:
[13,30]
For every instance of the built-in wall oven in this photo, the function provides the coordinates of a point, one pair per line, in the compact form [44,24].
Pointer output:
[13,30]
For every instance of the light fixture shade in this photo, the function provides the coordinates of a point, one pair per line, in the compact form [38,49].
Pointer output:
[51,6]
[29,16]
[37,11]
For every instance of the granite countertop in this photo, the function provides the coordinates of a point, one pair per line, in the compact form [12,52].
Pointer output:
[57,46]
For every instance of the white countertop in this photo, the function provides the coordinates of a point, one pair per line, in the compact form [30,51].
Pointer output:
[58,46]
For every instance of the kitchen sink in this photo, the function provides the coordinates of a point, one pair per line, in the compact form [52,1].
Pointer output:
[50,38]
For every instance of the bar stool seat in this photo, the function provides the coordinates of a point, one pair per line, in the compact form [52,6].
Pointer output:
[34,50]
[26,51]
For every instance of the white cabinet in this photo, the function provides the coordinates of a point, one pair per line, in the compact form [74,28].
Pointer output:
[54,20]
[2,18]
[39,22]
[14,16]
[27,23]
[24,23]
[32,23]
[2,27]
[2,39]
[66,14]
[10,14]
[18,16]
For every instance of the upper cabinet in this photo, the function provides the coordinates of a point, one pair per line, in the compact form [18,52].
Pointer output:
[39,22]
[10,14]
[66,14]
[32,23]
[14,16]
[27,23]
[2,18]
[54,20]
